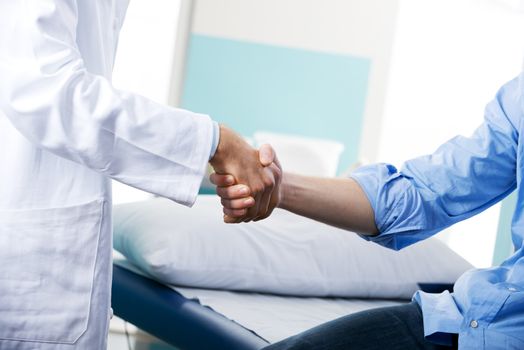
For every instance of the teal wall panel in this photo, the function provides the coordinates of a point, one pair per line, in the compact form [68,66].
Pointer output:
[263,87]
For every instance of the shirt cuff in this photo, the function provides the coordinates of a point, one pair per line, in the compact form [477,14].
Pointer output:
[397,208]
[216,139]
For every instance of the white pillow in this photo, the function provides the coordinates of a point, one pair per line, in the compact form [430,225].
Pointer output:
[284,254]
[303,155]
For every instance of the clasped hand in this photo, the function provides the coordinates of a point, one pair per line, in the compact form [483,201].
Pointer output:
[247,180]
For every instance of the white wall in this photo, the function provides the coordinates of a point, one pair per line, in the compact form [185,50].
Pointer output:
[449,59]
[144,61]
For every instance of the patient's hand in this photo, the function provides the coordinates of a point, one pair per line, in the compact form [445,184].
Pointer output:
[238,199]
[248,180]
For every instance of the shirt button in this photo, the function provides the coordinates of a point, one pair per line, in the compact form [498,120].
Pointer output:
[512,289]
[474,324]
[111,314]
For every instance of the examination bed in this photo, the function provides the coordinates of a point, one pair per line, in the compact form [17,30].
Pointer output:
[187,324]
[178,321]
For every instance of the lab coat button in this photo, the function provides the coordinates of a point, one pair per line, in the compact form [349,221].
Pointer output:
[111,314]
[474,324]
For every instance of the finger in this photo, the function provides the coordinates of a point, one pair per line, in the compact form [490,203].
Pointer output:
[235,213]
[266,195]
[266,154]
[252,212]
[222,179]
[275,195]
[233,192]
[277,162]
[242,203]
[271,207]
[230,220]
[264,206]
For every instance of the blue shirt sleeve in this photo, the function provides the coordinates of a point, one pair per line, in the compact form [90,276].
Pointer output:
[465,176]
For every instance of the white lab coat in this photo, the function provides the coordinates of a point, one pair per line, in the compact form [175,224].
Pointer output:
[64,133]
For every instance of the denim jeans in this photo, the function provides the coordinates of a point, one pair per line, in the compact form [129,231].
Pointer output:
[392,328]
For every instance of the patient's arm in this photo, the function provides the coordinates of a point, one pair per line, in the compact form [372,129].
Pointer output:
[337,202]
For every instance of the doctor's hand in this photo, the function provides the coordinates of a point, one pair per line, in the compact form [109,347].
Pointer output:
[248,180]
[237,198]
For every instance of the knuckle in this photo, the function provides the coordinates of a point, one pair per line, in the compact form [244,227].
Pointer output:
[230,192]
[269,182]
[235,205]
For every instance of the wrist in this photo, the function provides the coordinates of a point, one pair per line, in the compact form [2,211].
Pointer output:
[286,191]
[220,154]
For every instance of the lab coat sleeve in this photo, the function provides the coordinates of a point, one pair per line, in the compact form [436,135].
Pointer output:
[51,98]
[465,176]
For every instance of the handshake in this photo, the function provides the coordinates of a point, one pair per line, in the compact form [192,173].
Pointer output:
[248,181]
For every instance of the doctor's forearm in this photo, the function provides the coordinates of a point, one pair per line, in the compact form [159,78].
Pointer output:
[337,202]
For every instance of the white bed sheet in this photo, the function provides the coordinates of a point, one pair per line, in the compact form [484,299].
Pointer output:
[272,317]
[277,317]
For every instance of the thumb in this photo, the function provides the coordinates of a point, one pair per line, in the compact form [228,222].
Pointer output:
[266,155]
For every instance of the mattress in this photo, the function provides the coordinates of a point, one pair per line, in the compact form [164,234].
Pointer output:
[271,317]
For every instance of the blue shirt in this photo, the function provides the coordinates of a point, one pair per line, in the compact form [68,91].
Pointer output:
[465,176]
